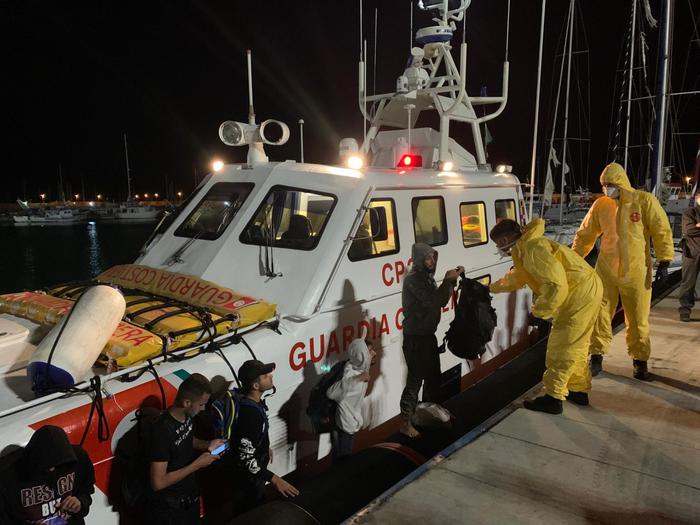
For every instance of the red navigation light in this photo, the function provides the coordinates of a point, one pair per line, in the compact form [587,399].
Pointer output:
[410,161]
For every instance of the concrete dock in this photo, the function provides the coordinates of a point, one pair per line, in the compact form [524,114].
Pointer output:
[633,456]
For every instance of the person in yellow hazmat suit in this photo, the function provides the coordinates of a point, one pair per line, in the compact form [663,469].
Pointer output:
[626,220]
[569,293]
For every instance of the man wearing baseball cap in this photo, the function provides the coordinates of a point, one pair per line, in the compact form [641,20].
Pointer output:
[250,441]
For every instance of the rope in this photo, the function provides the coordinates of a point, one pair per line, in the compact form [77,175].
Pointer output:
[96,406]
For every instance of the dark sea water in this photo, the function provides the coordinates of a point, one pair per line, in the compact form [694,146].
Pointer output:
[35,256]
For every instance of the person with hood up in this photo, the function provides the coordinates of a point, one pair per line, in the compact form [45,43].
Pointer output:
[690,224]
[48,482]
[626,220]
[348,393]
[569,293]
[422,302]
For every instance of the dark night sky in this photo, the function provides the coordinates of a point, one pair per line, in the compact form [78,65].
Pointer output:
[77,75]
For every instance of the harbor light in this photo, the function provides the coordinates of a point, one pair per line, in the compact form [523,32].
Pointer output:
[218,165]
[43,196]
[136,196]
[77,196]
[99,196]
[179,194]
[355,162]
[145,195]
[156,195]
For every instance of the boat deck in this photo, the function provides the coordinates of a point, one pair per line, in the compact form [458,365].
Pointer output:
[633,456]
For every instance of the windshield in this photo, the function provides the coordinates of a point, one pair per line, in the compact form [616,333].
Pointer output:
[289,218]
[215,211]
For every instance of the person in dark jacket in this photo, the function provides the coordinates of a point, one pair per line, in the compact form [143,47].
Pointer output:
[250,442]
[690,223]
[422,302]
[48,482]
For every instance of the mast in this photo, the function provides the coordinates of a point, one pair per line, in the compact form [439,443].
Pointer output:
[128,170]
[629,87]
[566,111]
[658,141]
[537,110]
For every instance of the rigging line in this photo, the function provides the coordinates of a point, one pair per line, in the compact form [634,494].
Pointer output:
[507,30]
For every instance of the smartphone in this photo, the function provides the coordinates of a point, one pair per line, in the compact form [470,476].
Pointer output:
[220,449]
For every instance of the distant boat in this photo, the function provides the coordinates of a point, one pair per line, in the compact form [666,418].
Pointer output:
[133,212]
[49,216]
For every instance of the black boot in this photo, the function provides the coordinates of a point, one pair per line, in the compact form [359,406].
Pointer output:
[580,398]
[685,316]
[640,370]
[545,403]
[596,364]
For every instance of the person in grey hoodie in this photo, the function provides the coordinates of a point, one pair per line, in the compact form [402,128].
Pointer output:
[422,302]
[348,393]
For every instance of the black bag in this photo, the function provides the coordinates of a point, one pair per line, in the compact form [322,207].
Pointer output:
[321,410]
[131,458]
[474,323]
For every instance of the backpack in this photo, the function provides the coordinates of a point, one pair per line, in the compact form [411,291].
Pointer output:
[474,323]
[320,409]
[131,458]
[225,413]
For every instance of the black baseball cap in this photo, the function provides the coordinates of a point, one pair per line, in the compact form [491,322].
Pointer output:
[252,369]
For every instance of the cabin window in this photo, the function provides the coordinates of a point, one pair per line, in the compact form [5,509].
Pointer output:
[289,218]
[215,211]
[473,221]
[429,223]
[505,209]
[377,234]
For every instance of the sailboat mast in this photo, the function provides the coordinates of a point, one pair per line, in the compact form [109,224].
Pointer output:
[629,86]
[128,171]
[537,109]
[566,111]
[661,98]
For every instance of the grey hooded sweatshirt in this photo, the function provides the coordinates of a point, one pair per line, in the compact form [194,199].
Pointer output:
[421,298]
[349,392]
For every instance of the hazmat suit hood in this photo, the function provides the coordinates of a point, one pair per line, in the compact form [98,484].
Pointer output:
[358,355]
[532,230]
[48,448]
[419,252]
[614,173]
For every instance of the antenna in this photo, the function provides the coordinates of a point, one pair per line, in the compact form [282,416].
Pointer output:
[364,94]
[128,171]
[251,110]
[409,108]
[301,134]
[374,62]
[410,39]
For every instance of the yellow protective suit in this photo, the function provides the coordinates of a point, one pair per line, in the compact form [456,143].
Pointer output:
[569,292]
[625,226]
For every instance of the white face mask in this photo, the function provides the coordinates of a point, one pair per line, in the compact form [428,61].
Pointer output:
[612,192]
[505,251]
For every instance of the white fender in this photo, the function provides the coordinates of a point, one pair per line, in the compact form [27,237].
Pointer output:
[84,332]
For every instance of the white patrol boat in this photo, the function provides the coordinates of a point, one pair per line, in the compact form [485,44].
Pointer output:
[328,245]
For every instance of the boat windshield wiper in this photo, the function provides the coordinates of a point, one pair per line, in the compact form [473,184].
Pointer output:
[268,236]
[176,257]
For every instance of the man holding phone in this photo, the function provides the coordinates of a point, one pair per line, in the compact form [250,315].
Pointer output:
[175,498]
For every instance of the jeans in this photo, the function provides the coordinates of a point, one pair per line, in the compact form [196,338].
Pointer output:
[341,443]
[690,269]
[423,362]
